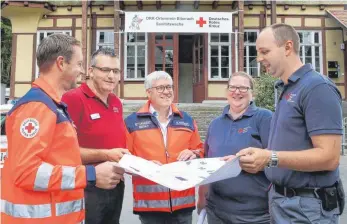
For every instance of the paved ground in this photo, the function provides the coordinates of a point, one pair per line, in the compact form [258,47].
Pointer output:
[129,218]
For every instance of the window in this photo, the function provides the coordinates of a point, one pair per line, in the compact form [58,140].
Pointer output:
[250,64]
[135,52]
[164,53]
[43,34]
[219,56]
[104,38]
[311,49]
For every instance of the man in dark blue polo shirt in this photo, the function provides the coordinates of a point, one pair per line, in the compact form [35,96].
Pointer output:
[305,135]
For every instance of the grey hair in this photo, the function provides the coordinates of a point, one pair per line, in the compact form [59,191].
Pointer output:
[102,51]
[156,76]
[52,47]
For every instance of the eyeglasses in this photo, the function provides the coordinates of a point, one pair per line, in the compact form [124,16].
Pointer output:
[161,89]
[242,89]
[108,70]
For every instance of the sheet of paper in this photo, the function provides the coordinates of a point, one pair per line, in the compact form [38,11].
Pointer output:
[182,175]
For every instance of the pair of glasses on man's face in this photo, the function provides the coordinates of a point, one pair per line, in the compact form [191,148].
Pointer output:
[106,70]
[242,89]
[161,88]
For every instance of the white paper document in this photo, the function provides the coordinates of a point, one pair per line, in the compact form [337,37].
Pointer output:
[182,175]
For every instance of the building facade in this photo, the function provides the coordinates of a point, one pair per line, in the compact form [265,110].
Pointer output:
[200,63]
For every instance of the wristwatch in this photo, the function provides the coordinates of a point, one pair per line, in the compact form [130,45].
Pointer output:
[91,175]
[273,160]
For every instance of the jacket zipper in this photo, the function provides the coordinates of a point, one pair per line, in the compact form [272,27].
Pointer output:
[166,156]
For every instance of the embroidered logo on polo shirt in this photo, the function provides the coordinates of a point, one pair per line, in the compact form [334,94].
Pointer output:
[289,97]
[243,130]
[115,109]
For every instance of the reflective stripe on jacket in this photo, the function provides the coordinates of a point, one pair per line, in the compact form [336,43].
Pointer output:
[43,177]
[144,139]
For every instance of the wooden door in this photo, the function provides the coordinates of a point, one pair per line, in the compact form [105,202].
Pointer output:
[198,68]
[164,56]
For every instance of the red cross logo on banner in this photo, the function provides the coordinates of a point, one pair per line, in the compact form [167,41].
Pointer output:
[29,128]
[201,22]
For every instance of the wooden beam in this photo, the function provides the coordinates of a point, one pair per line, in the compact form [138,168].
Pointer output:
[13,65]
[84,37]
[214,4]
[158,4]
[116,23]
[121,5]
[196,4]
[139,4]
[273,12]
[240,34]
[233,5]
[177,4]
[345,61]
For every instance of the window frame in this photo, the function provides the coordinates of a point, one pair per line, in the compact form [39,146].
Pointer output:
[126,44]
[97,44]
[109,30]
[219,44]
[320,45]
[38,43]
[246,46]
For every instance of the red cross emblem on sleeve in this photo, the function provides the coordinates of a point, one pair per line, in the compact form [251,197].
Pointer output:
[29,128]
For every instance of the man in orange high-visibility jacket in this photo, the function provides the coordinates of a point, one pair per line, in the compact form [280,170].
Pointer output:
[43,177]
[162,133]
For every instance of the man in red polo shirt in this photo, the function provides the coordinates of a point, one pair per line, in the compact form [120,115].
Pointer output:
[98,115]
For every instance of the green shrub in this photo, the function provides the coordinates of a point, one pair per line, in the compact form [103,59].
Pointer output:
[264,91]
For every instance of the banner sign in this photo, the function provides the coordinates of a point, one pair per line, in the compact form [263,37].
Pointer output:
[179,22]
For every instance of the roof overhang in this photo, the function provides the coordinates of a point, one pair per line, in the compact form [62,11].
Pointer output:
[340,16]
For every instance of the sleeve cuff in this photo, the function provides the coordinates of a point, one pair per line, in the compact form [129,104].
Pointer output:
[326,132]
[91,175]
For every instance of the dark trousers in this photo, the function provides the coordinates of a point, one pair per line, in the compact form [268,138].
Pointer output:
[299,209]
[181,217]
[104,206]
